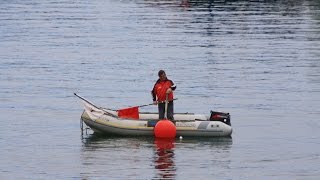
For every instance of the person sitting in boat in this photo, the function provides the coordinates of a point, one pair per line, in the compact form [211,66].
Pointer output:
[163,88]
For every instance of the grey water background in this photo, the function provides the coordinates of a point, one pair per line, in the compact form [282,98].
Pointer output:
[257,60]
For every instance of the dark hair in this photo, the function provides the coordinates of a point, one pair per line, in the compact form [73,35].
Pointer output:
[161,72]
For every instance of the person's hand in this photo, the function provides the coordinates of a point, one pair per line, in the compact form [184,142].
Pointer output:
[169,91]
[155,102]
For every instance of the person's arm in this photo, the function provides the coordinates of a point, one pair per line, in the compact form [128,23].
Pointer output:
[153,92]
[173,85]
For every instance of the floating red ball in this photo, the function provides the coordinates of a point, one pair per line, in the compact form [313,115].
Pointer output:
[165,129]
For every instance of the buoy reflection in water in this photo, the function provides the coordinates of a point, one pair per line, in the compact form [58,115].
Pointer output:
[164,158]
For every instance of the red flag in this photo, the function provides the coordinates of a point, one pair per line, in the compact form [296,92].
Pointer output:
[131,113]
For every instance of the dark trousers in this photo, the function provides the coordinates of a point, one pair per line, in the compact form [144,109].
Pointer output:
[161,108]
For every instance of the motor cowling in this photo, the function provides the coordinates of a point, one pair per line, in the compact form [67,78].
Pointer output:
[220,116]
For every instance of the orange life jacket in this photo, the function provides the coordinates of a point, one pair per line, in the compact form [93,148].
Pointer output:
[160,88]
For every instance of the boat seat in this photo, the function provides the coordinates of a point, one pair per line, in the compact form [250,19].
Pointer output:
[177,117]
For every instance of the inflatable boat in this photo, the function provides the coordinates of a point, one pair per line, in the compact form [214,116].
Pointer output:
[108,121]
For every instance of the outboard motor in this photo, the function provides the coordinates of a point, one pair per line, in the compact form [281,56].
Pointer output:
[220,116]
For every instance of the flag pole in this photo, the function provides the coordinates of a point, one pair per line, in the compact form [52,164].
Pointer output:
[157,103]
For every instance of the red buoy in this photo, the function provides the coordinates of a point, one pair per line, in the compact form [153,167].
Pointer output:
[165,129]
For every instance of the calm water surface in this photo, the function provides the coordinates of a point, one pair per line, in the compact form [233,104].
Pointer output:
[260,61]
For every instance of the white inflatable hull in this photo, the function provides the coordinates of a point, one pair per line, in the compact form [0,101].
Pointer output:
[131,127]
[103,120]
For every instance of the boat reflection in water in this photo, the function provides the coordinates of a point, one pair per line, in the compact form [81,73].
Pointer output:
[164,158]
[114,157]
